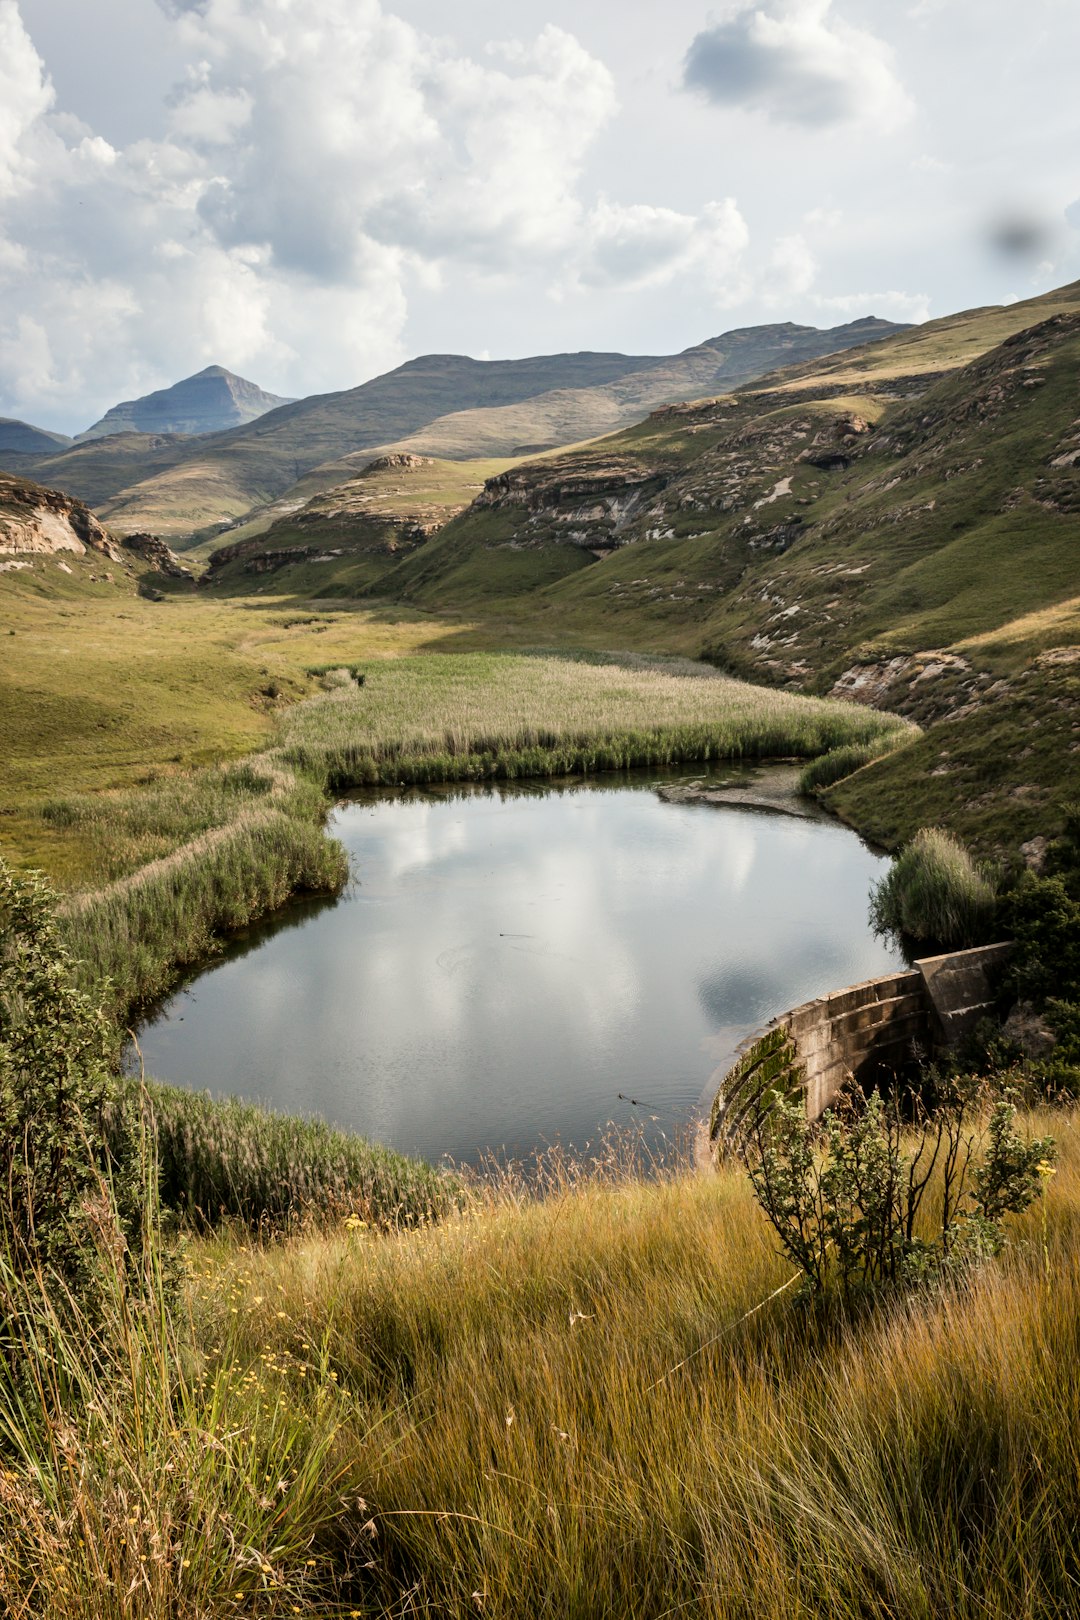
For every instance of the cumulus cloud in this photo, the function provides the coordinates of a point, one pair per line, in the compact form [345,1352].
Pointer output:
[892,306]
[791,269]
[25,95]
[639,246]
[797,62]
[316,165]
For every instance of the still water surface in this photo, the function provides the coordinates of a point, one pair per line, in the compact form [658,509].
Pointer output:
[508,961]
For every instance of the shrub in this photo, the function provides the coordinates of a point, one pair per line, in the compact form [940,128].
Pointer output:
[846,1200]
[934,892]
[1044,919]
[55,1090]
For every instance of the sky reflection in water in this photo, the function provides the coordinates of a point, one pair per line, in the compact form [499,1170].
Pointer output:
[508,962]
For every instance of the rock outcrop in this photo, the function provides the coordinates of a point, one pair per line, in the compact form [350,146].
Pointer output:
[150,548]
[44,522]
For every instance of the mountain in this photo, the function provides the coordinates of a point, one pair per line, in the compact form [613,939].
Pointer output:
[447,406]
[899,524]
[210,402]
[21,439]
[722,488]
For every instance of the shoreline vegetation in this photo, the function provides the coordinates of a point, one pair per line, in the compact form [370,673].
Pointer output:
[602,1400]
[358,1386]
[190,858]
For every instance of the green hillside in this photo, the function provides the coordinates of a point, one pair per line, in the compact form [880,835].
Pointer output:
[811,535]
[347,537]
[444,405]
[95,471]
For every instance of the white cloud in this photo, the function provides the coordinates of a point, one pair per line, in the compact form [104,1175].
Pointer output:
[316,164]
[893,306]
[25,95]
[791,269]
[797,62]
[638,246]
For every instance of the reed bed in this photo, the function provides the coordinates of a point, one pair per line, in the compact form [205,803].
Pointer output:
[841,762]
[126,830]
[130,938]
[477,715]
[233,1161]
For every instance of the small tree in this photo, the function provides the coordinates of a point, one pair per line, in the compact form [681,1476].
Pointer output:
[845,1197]
[58,1143]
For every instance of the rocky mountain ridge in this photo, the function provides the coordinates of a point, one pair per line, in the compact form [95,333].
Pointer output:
[211,401]
[448,406]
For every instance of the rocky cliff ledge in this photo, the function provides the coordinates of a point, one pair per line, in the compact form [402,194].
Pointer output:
[44,522]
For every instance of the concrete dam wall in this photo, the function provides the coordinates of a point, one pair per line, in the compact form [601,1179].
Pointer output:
[871,1032]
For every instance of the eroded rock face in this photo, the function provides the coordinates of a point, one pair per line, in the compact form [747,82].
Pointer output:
[925,686]
[584,501]
[45,522]
[153,550]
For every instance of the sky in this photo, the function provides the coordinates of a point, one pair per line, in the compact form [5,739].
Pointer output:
[311,193]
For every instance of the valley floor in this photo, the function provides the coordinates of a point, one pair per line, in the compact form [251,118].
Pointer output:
[602,1401]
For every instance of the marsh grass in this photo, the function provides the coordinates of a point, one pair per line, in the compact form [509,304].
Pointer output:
[130,938]
[934,892]
[234,1161]
[477,715]
[842,762]
[130,828]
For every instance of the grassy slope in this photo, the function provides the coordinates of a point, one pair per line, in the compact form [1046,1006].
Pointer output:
[460,407]
[358,527]
[601,1404]
[949,528]
[103,690]
[97,470]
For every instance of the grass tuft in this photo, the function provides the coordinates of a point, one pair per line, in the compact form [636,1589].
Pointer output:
[934,892]
[235,1161]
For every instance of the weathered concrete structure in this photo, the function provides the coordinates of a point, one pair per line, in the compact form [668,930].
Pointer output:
[871,1032]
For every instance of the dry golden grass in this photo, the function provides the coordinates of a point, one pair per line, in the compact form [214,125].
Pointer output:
[599,1404]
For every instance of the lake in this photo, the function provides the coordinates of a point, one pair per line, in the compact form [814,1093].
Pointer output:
[518,964]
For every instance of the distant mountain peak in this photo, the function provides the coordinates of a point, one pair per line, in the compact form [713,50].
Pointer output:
[22,438]
[208,402]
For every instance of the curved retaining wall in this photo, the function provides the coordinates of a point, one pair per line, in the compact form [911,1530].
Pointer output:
[872,1031]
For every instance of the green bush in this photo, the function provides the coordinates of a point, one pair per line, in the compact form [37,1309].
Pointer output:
[1043,917]
[847,1200]
[934,893]
[56,1090]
